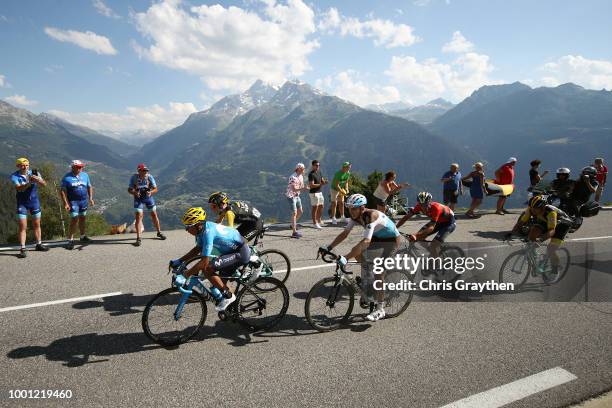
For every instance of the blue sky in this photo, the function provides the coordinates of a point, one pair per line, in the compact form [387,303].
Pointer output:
[126,65]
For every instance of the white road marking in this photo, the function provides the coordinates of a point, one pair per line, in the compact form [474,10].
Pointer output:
[591,238]
[303,268]
[57,302]
[516,390]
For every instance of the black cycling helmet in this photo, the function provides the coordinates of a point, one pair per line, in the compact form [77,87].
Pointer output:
[218,198]
[590,171]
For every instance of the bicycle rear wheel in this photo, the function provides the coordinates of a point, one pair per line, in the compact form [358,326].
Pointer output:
[275,263]
[515,269]
[263,305]
[161,322]
[448,274]
[397,301]
[329,304]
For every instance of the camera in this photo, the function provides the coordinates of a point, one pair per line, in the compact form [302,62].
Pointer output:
[142,193]
[36,173]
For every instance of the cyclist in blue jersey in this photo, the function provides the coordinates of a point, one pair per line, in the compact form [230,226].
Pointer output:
[77,195]
[233,248]
[25,181]
[142,187]
[379,232]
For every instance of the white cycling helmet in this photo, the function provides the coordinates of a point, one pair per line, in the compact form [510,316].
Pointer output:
[563,170]
[356,200]
[424,197]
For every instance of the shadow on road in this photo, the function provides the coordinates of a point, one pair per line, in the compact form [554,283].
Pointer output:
[494,235]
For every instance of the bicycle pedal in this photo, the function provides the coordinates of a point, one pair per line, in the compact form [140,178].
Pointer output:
[223,316]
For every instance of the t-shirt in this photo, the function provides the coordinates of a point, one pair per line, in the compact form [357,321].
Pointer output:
[438,213]
[454,183]
[581,191]
[533,177]
[506,174]
[296,183]
[342,178]
[30,194]
[601,174]
[224,239]
[315,177]
[76,186]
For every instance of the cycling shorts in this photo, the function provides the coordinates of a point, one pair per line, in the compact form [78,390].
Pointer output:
[140,204]
[78,208]
[32,207]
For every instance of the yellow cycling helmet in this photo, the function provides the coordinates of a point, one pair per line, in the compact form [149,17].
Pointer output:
[22,160]
[537,202]
[193,216]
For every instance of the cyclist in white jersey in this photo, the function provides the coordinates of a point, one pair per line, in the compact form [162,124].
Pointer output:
[379,232]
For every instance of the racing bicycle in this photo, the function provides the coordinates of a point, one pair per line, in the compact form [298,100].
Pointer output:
[330,302]
[175,315]
[441,274]
[532,260]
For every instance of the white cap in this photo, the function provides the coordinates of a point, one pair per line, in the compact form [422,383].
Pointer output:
[300,166]
[511,159]
[77,163]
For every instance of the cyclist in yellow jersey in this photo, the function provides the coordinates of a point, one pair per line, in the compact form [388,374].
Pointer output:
[550,223]
[239,214]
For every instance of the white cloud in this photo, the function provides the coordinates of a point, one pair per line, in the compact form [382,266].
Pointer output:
[422,81]
[423,3]
[20,100]
[348,86]
[3,82]
[594,74]
[88,40]
[104,9]
[459,44]
[3,18]
[52,69]
[154,118]
[384,32]
[229,48]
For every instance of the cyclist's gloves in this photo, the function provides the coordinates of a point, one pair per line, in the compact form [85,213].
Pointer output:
[342,261]
[175,263]
[179,280]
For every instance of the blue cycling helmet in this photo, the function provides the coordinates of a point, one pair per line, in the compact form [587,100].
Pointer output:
[356,200]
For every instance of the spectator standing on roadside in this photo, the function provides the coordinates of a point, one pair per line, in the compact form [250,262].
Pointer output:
[452,186]
[77,196]
[504,176]
[294,188]
[602,175]
[534,175]
[142,187]
[25,182]
[339,190]
[477,188]
[386,188]
[315,182]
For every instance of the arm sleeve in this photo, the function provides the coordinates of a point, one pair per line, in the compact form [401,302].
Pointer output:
[368,232]
[131,185]
[152,181]
[230,218]
[551,220]
[207,242]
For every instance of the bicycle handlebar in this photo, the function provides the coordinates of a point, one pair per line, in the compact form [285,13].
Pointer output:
[329,257]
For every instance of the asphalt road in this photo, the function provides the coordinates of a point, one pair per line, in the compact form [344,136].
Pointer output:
[439,351]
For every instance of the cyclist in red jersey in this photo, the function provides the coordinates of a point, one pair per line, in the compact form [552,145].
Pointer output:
[442,221]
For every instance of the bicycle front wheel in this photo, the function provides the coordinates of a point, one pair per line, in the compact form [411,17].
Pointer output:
[263,305]
[564,263]
[397,300]
[329,304]
[275,263]
[165,324]
[515,269]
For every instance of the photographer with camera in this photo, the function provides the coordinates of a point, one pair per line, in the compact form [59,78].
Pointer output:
[77,194]
[142,187]
[25,181]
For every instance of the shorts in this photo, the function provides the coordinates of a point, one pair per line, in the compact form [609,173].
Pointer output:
[32,207]
[380,202]
[227,264]
[78,208]
[295,202]
[443,230]
[450,196]
[316,199]
[561,231]
[250,229]
[336,195]
[149,202]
